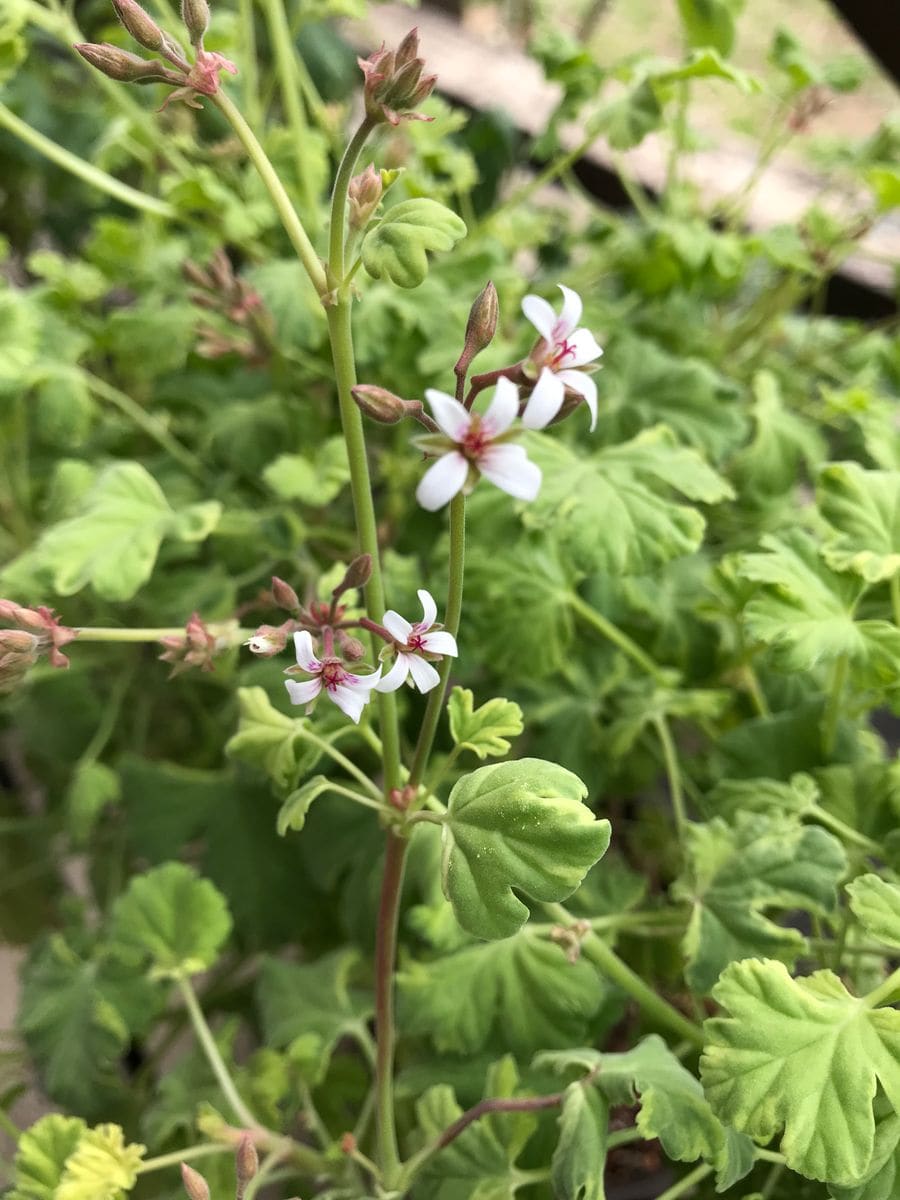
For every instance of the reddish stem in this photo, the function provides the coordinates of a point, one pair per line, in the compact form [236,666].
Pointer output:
[372,626]
[480,382]
[493,1105]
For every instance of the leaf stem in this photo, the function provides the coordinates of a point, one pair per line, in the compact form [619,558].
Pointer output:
[452,615]
[179,1156]
[385,954]
[615,969]
[289,85]
[99,633]
[832,712]
[341,759]
[615,635]
[293,226]
[684,1185]
[843,830]
[895,598]
[884,990]
[673,772]
[84,171]
[213,1057]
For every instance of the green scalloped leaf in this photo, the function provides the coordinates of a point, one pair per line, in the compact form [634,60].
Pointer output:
[517,825]
[579,1159]
[876,905]
[863,508]
[173,918]
[483,730]
[102,1166]
[398,246]
[41,1156]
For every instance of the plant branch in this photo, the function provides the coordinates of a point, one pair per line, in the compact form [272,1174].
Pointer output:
[385,954]
[179,1156]
[213,1057]
[673,772]
[615,635]
[289,85]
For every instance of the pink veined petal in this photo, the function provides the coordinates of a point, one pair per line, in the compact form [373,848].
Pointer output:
[349,701]
[450,415]
[425,677]
[395,676]
[503,408]
[545,401]
[429,610]
[440,642]
[361,683]
[584,386]
[303,693]
[509,468]
[571,312]
[584,347]
[541,315]
[398,627]
[442,481]
[304,646]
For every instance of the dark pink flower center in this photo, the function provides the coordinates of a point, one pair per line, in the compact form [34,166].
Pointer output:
[333,673]
[415,640]
[476,440]
[563,351]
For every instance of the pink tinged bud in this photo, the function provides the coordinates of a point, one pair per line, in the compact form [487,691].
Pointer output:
[194,1184]
[196,648]
[246,1160]
[379,404]
[357,575]
[363,196]
[139,24]
[394,83]
[124,66]
[195,15]
[351,647]
[480,328]
[269,639]
[18,651]
[285,596]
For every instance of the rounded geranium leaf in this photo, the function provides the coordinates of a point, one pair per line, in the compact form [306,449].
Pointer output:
[516,825]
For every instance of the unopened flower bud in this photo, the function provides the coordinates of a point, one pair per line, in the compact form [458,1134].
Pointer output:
[480,327]
[246,1161]
[19,650]
[195,15]
[363,196]
[379,404]
[124,66]
[348,1143]
[357,575]
[194,1184]
[285,596]
[394,83]
[351,647]
[139,24]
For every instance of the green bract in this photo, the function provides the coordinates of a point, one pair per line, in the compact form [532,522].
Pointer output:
[519,825]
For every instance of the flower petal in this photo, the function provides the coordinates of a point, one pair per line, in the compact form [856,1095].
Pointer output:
[362,683]
[429,610]
[398,627]
[450,415]
[509,468]
[304,646]
[571,312]
[440,642]
[425,677]
[541,315]
[544,402]
[303,693]
[503,409]
[583,349]
[395,676]
[442,481]
[584,386]
[349,701]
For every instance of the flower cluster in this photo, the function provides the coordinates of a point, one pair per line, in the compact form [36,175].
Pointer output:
[35,631]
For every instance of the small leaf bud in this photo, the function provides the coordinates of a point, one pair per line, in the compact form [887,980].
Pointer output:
[194,1184]
[379,404]
[195,15]
[139,24]
[124,66]
[480,327]
[363,196]
[285,596]
[246,1161]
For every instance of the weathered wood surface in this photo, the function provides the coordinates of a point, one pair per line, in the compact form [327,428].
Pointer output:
[487,73]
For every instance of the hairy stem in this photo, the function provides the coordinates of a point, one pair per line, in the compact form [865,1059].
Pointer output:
[98,633]
[213,1057]
[385,953]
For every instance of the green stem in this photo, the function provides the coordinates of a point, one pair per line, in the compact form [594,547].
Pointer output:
[620,973]
[109,717]
[385,955]
[635,193]
[213,1057]
[895,598]
[437,695]
[847,832]
[679,136]
[832,712]
[757,695]
[249,62]
[292,224]
[673,772]
[775,1173]
[179,1156]
[623,1137]
[884,991]
[97,633]
[378,804]
[615,635]
[684,1185]
[289,85]
[336,242]
[150,424]
[84,170]
[350,767]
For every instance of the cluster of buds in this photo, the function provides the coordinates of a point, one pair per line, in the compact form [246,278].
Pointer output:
[222,292]
[197,646]
[394,83]
[190,80]
[30,633]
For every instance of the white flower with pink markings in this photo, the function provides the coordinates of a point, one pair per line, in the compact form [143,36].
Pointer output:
[416,644]
[476,444]
[562,359]
[351,693]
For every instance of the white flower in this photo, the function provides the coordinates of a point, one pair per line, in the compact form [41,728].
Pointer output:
[560,357]
[476,445]
[351,693]
[413,642]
